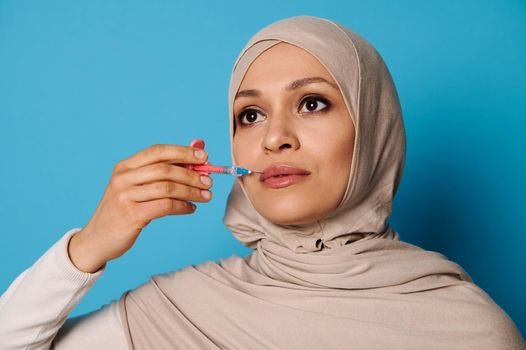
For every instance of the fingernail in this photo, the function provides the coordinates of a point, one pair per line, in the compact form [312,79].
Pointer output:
[206,194]
[200,154]
[205,180]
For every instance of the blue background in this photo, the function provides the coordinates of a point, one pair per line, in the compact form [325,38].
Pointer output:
[84,84]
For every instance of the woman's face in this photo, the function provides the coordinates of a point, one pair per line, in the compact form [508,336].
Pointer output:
[296,128]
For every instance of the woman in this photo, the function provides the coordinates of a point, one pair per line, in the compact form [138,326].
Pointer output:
[314,109]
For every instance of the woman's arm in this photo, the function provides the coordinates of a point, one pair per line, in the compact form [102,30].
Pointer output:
[148,185]
[100,329]
[35,307]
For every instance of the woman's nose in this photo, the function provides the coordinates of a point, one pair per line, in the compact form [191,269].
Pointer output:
[280,135]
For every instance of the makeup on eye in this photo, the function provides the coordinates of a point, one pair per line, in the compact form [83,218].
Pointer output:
[316,98]
[249,116]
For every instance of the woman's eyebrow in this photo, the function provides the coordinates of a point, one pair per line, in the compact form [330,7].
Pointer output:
[296,84]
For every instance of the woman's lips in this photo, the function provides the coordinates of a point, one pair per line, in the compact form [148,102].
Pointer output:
[277,176]
[283,181]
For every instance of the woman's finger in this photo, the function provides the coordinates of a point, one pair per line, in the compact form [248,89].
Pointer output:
[163,153]
[167,189]
[166,172]
[161,207]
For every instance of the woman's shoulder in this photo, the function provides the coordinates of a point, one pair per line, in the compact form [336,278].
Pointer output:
[188,274]
[478,306]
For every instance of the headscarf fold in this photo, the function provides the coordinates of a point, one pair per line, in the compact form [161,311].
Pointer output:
[346,281]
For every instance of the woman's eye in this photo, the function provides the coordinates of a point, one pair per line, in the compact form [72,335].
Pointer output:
[250,116]
[312,104]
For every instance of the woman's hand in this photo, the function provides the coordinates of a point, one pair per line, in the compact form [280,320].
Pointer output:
[146,186]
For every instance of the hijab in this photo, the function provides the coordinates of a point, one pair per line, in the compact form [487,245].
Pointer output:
[346,281]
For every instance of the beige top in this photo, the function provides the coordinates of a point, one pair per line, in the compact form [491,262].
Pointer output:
[33,310]
[31,321]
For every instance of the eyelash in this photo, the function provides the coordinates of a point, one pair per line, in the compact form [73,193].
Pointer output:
[305,99]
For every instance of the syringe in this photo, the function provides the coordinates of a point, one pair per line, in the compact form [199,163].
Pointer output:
[230,170]
[208,168]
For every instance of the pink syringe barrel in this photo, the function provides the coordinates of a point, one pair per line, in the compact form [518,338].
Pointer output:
[206,169]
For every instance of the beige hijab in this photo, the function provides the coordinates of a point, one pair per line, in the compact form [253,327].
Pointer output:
[344,282]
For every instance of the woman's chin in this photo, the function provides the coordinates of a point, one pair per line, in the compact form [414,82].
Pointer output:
[293,205]
[288,212]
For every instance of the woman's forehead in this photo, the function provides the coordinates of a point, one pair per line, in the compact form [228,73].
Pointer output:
[284,65]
